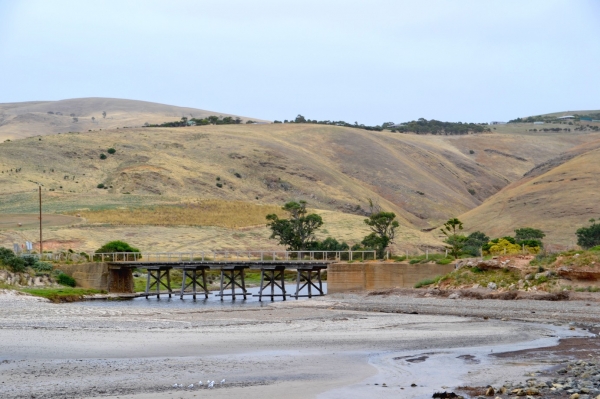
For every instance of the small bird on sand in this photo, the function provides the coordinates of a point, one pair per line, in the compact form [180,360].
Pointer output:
[175,385]
[191,386]
[200,383]
[222,381]
[210,384]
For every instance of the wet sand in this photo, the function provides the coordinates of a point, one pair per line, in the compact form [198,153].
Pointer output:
[324,348]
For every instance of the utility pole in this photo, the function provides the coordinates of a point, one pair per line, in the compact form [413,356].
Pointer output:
[40,192]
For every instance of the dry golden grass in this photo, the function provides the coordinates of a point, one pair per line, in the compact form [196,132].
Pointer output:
[557,202]
[228,214]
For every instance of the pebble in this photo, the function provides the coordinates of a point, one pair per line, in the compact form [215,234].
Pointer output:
[579,379]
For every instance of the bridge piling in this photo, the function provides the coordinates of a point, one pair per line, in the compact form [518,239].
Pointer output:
[272,275]
[155,278]
[229,279]
[191,271]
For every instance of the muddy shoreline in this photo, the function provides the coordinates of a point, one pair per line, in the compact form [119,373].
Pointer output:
[311,348]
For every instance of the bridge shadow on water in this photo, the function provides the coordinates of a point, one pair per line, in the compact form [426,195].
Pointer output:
[212,301]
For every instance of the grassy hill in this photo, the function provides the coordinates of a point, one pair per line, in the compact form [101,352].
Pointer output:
[26,119]
[424,179]
[557,197]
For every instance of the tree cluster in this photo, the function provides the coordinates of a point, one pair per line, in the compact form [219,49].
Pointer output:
[421,126]
[297,232]
[210,120]
[424,126]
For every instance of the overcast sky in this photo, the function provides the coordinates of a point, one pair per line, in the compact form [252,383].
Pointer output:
[366,61]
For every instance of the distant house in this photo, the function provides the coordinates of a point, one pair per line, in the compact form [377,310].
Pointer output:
[538,123]
[497,123]
[585,118]
[566,117]
[191,123]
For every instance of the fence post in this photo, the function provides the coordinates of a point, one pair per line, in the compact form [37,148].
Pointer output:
[427,254]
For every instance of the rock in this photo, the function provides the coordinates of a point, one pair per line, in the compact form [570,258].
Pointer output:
[454,295]
[532,391]
[475,286]
[492,286]
[512,287]
[574,396]
[490,392]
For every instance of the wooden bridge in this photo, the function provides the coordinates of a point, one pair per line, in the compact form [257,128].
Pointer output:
[232,266]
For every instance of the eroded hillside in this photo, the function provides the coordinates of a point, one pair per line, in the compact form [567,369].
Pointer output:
[558,197]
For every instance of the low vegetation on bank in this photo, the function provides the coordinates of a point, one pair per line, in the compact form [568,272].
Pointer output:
[566,271]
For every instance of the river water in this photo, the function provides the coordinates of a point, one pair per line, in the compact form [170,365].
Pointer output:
[213,301]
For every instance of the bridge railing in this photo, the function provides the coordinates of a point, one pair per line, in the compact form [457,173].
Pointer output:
[252,255]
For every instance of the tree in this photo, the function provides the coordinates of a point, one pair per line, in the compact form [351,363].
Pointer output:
[300,119]
[588,237]
[330,244]
[474,242]
[104,114]
[383,226]
[526,235]
[184,121]
[297,232]
[455,241]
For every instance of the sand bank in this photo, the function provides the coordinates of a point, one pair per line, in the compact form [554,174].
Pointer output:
[292,350]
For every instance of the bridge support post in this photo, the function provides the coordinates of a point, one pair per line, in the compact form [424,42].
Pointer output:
[307,273]
[155,278]
[272,277]
[229,280]
[192,273]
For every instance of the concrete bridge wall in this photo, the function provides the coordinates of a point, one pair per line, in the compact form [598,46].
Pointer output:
[100,277]
[345,277]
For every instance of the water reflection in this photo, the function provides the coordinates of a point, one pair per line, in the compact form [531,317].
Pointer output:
[212,301]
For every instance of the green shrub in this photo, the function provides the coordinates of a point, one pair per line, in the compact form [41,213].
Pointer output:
[236,174]
[220,185]
[101,185]
[102,156]
[5,254]
[42,267]
[117,246]
[445,261]
[111,151]
[471,152]
[29,260]
[16,264]
[64,279]
[413,261]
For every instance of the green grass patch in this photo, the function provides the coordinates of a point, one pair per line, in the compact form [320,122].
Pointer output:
[62,294]
[429,281]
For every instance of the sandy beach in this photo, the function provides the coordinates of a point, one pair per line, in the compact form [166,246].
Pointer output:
[332,347]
